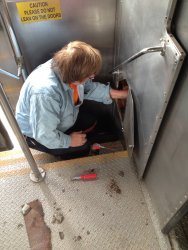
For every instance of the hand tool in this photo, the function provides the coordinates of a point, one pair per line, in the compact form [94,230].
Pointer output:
[85,177]
[97,146]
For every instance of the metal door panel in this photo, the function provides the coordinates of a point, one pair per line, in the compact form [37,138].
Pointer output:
[140,24]
[152,76]
[167,175]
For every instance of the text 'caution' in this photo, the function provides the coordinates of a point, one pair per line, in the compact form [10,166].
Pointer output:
[39,11]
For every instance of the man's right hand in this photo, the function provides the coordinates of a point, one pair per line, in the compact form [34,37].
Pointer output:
[77,139]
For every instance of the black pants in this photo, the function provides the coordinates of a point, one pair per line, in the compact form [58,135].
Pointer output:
[90,112]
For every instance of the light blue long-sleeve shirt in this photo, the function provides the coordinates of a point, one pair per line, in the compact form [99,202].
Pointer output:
[45,109]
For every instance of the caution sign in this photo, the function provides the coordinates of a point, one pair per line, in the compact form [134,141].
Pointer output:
[37,11]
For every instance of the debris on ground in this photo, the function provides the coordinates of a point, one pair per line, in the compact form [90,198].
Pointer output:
[20,226]
[114,187]
[61,235]
[88,232]
[121,173]
[25,209]
[57,218]
[58,209]
[58,215]
[146,223]
[77,238]
[92,170]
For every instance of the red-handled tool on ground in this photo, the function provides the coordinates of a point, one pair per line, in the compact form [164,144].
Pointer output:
[97,146]
[85,177]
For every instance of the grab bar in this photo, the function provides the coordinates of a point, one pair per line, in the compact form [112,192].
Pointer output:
[4,72]
[142,52]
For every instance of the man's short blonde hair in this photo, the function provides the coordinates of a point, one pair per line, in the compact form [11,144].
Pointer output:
[77,61]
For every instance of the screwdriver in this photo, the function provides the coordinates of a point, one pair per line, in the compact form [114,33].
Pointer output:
[97,146]
[86,177]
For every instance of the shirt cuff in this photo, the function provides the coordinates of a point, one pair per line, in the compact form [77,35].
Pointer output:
[107,99]
[66,141]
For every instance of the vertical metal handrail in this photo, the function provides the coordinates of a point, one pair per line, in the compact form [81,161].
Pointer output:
[12,38]
[10,116]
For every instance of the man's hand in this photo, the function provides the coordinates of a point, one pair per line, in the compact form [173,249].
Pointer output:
[77,139]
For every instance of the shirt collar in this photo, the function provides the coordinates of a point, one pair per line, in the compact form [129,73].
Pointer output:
[64,85]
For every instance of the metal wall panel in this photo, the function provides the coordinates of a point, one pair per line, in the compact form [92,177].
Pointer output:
[151,77]
[7,62]
[167,175]
[89,21]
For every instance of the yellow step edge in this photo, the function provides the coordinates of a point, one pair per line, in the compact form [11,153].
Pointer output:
[22,159]
[62,164]
[12,152]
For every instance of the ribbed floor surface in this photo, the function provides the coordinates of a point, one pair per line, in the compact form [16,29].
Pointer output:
[108,213]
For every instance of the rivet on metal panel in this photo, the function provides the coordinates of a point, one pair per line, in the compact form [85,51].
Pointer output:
[181,202]
[185,196]
[176,208]
[163,44]
[182,56]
